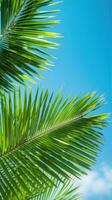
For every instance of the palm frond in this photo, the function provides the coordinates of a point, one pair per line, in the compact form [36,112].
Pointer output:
[61,191]
[46,137]
[23,39]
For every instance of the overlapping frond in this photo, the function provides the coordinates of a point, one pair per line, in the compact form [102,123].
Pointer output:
[23,39]
[66,191]
[45,138]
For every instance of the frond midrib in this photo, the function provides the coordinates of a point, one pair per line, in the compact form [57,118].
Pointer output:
[12,21]
[43,133]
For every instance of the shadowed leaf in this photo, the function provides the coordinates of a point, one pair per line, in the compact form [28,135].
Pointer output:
[23,40]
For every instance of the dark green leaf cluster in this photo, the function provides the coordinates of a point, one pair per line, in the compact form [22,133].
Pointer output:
[23,39]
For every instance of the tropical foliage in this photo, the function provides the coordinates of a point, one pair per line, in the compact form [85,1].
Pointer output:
[45,139]
[23,39]
[66,191]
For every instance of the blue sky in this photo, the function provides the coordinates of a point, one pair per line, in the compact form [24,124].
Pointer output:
[84,65]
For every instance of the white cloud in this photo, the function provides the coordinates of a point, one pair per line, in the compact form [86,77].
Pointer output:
[97,183]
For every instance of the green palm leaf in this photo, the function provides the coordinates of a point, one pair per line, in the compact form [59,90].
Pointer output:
[23,39]
[46,137]
[66,191]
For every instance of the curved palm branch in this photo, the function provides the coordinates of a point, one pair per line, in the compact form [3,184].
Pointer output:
[66,191]
[23,39]
[46,137]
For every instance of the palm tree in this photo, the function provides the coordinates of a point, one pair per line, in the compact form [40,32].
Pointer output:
[46,139]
